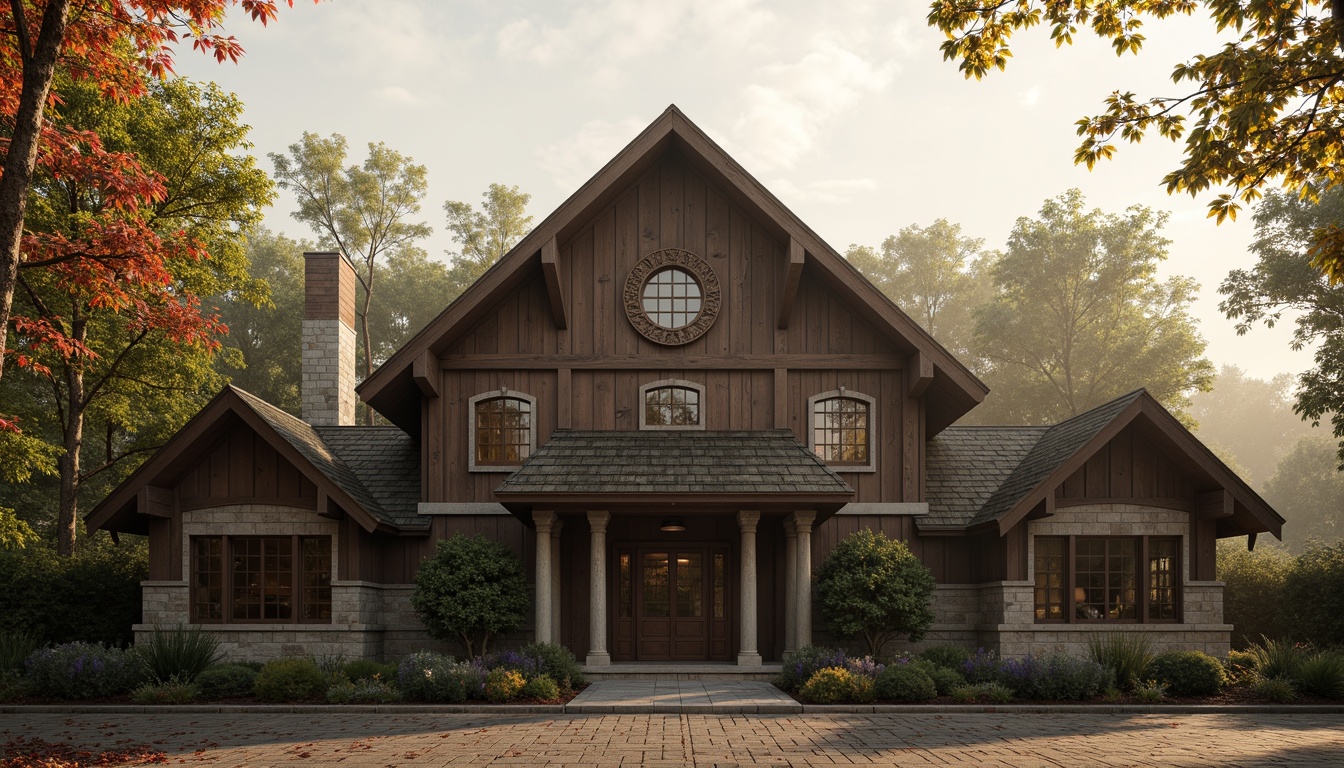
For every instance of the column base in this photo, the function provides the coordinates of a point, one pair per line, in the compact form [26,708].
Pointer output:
[748,659]
[598,660]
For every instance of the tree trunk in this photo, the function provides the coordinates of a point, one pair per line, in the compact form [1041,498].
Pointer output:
[39,68]
[364,329]
[69,463]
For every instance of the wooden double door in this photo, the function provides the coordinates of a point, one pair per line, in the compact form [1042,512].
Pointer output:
[672,603]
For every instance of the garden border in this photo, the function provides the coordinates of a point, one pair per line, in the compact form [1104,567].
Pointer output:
[672,709]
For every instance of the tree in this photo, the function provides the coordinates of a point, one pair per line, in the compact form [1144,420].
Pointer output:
[422,287]
[484,236]
[1080,318]
[936,275]
[1249,419]
[873,586]
[471,590]
[363,211]
[1253,600]
[125,252]
[1282,282]
[1308,491]
[41,38]
[1265,106]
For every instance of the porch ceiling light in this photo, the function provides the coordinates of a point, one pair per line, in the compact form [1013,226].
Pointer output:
[672,526]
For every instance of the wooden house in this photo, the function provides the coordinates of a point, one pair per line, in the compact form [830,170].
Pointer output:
[671,400]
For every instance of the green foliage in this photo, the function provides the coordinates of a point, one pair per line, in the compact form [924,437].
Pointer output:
[15,646]
[945,656]
[873,587]
[432,677]
[944,679]
[1314,591]
[180,653]
[1188,673]
[1126,654]
[81,671]
[171,691]
[418,288]
[799,666]
[1322,674]
[557,662]
[1239,665]
[293,679]
[471,590]
[832,685]
[1275,659]
[542,688]
[982,693]
[1080,317]
[1307,488]
[905,683]
[226,681]
[1253,598]
[484,236]
[1150,692]
[365,669]
[93,596]
[503,685]
[367,691]
[1055,677]
[1274,690]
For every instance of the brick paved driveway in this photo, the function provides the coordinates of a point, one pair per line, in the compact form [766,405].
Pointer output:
[1016,740]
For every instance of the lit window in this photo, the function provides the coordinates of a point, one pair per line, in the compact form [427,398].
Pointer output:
[842,426]
[1099,579]
[258,579]
[503,431]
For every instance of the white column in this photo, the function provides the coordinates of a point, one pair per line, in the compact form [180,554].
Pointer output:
[597,591]
[543,521]
[790,586]
[802,522]
[747,653]
[555,581]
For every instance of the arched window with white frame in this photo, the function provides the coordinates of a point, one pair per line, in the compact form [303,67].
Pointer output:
[503,430]
[843,430]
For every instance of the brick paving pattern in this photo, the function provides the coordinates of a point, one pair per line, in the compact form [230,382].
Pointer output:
[991,740]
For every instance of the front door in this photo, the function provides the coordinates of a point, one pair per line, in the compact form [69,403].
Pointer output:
[672,603]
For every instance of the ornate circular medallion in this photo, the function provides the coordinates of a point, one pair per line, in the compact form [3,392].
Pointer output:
[672,296]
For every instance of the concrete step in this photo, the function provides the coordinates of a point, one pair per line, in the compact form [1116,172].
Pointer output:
[681,671]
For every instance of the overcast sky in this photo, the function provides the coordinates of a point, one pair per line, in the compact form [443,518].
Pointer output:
[846,111]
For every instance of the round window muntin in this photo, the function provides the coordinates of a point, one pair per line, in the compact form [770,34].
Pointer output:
[656,262]
[677,298]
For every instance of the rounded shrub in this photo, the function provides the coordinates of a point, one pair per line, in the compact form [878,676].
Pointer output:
[873,587]
[1274,690]
[226,681]
[170,692]
[945,656]
[432,677]
[832,685]
[557,662]
[290,680]
[470,591]
[905,682]
[1188,673]
[503,685]
[944,680]
[542,688]
[1055,677]
[367,669]
[81,671]
[366,691]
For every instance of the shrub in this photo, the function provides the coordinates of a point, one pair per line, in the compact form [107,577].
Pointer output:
[516,661]
[81,671]
[864,667]
[982,693]
[905,682]
[1126,654]
[365,669]
[226,681]
[1188,673]
[1239,664]
[15,646]
[503,685]
[365,691]
[172,691]
[1314,595]
[428,676]
[1055,677]
[471,590]
[944,680]
[1253,595]
[542,687]
[558,662]
[1150,692]
[832,685]
[1275,658]
[292,679]
[800,665]
[1274,690]
[874,587]
[178,654]
[1322,674]
[981,667]
[12,686]
[92,596]
[945,656]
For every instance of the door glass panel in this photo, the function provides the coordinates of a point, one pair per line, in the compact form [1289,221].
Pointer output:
[690,585]
[720,588]
[654,580]
[623,603]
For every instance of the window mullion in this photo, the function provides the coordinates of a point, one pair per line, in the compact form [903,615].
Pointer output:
[1145,576]
[1070,582]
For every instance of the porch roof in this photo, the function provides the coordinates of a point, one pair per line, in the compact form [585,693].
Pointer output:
[674,463]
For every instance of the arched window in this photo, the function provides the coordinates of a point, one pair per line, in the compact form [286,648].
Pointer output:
[671,404]
[842,430]
[503,430]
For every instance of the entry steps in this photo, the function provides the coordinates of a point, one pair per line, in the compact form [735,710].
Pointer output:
[686,670]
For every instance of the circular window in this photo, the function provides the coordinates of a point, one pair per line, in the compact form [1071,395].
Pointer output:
[672,296]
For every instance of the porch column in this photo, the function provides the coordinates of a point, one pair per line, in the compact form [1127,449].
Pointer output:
[790,586]
[597,591]
[747,653]
[543,521]
[555,581]
[802,523]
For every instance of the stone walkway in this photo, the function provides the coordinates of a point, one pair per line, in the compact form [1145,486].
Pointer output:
[683,697]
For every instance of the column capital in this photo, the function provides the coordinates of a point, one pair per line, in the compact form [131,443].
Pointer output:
[747,520]
[598,519]
[557,526]
[544,520]
[803,519]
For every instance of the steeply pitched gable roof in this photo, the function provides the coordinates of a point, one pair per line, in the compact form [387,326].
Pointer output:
[392,391]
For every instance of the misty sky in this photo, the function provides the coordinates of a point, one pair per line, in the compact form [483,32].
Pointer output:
[846,112]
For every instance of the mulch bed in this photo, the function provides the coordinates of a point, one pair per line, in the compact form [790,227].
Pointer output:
[23,752]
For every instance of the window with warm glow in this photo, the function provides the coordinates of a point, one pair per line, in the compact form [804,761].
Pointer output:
[260,579]
[1126,579]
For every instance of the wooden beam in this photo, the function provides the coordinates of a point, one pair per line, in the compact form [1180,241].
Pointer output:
[919,373]
[154,501]
[427,373]
[696,362]
[1250,541]
[550,268]
[324,505]
[792,277]
[1214,505]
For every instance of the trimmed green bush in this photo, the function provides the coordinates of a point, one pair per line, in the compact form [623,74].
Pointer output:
[905,683]
[873,587]
[471,590]
[179,654]
[364,669]
[799,666]
[1314,595]
[226,681]
[542,687]
[92,596]
[944,680]
[1253,597]
[290,680]
[432,677]
[365,691]
[15,646]
[833,685]
[170,692]
[503,685]
[1188,673]
[1126,654]
[81,671]
[558,662]
[945,656]
[1322,674]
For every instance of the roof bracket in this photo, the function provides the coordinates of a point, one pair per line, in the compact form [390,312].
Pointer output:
[1214,505]
[426,372]
[550,268]
[920,373]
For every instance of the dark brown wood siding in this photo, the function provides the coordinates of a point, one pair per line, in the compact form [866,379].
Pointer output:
[242,468]
[1128,468]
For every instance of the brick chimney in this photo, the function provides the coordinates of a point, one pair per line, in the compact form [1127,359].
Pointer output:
[328,340]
